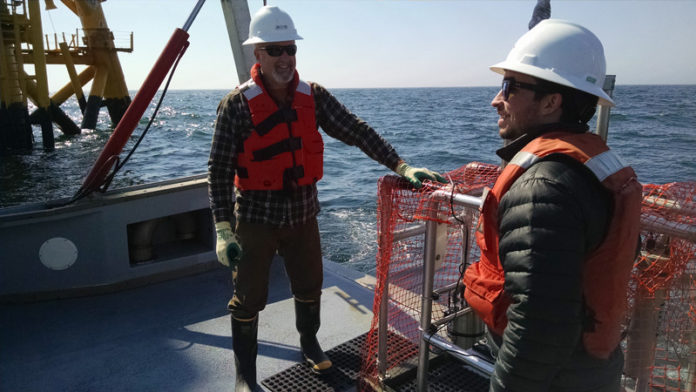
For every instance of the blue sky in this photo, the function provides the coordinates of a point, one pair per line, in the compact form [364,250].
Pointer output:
[398,43]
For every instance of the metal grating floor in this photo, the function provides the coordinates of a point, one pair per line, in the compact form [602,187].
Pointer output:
[446,375]
[346,365]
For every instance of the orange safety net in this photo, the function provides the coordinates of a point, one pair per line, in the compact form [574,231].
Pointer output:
[660,348]
[400,263]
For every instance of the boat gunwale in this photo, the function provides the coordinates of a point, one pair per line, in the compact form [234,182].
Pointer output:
[95,200]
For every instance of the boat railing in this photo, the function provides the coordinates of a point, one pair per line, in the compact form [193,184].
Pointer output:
[77,44]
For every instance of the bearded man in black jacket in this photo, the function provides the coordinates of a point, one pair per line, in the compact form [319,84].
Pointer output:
[558,230]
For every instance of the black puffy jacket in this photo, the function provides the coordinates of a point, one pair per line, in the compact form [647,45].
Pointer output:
[550,219]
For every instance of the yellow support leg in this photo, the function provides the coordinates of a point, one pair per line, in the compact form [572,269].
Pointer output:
[41,77]
[74,80]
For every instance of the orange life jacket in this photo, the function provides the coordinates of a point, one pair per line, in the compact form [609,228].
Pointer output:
[606,270]
[285,148]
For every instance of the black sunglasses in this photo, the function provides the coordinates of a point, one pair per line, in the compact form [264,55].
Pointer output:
[277,50]
[510,83]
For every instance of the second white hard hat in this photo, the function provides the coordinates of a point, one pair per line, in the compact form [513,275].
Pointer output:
[561,52]
[271,24]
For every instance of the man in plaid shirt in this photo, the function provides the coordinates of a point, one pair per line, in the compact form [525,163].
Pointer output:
[265,160]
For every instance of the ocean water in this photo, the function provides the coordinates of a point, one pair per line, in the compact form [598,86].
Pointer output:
[653,128]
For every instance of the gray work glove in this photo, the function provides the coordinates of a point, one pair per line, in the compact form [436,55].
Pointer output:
[228,249]
[415,175]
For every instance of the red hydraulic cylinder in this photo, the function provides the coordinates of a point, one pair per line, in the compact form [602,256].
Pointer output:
[177,43]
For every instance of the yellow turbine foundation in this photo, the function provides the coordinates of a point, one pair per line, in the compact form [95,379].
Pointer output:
[109,82]
[15,128]
[22,42]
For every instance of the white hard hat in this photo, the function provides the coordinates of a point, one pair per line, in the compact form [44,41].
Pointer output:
[561,52]
[271,24]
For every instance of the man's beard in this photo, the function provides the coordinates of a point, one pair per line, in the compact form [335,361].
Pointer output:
[282,77]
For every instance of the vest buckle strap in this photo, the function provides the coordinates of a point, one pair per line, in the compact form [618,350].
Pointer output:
[285,145]
[282,115]
[294,173]
[290,177]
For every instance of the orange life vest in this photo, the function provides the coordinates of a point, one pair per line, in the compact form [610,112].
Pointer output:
[285,148]
[606,270]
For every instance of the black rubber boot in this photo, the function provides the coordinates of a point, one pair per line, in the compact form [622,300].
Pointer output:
[308,322]
[245,347]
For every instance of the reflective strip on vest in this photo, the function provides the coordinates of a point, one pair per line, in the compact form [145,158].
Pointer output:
[605,164]
[304,88]
[602,165]
[252,91]
[524,159]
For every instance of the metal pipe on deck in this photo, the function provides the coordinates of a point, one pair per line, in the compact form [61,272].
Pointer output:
[466,356]
[459,199]
[440,195]
[426,304]
[663,226]
[383,320]
[671,206]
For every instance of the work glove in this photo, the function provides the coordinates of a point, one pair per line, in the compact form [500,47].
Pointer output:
[228,249]
[415,175]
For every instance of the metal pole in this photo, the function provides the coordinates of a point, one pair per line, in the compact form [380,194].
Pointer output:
[193,15]
[691,367]
[426,304]
[383,320]
[672,205]
[467,327]
[382,329]
[458,198]
[603,113]
[663,226]
[452,316]
[237,19]
[463,355]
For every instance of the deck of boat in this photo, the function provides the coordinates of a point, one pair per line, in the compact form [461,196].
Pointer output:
[175,336]
[172,336]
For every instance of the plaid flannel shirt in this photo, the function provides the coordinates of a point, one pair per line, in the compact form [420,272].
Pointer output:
[279,208]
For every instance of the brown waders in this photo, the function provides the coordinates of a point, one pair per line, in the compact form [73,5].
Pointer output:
[300,248]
